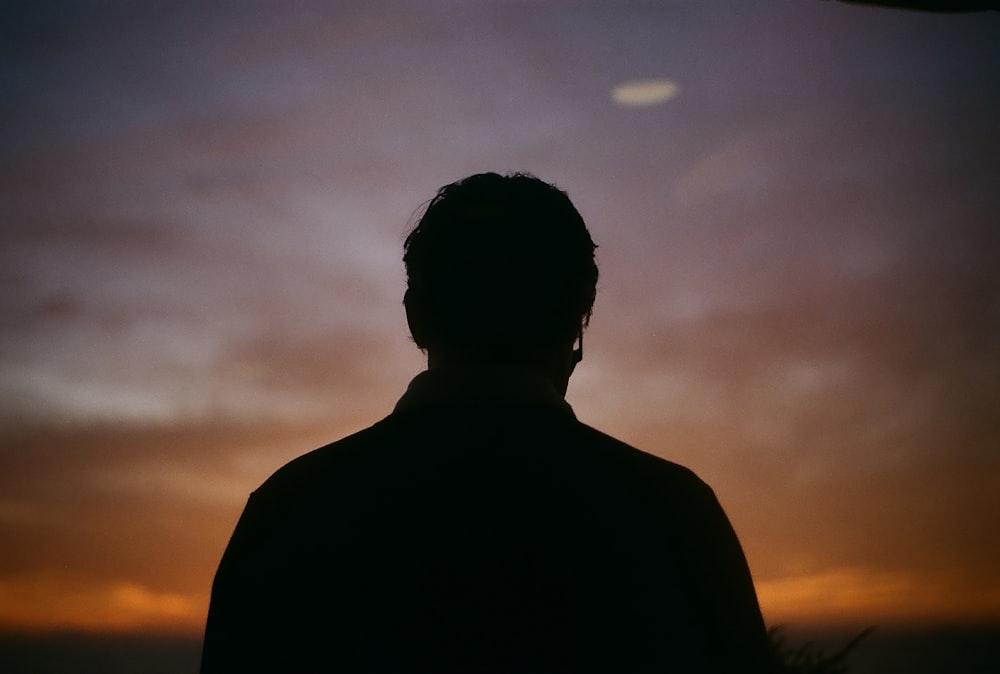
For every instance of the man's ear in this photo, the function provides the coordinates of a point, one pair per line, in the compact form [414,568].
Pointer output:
[415,318]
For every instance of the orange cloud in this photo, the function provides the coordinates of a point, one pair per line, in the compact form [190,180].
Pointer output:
[46,601]
[853,595]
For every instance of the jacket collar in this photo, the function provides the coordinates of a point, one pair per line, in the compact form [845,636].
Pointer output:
[483,382]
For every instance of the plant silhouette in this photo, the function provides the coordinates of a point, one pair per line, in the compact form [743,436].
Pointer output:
[809,658]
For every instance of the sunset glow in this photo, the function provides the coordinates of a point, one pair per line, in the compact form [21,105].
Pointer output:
[795,204]
[47,602]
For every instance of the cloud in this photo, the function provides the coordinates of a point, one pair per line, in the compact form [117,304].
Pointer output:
[49,601]
[863,595]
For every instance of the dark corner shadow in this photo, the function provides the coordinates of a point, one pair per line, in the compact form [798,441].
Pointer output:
[942,6]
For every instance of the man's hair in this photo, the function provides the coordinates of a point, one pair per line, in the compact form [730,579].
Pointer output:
[501,267]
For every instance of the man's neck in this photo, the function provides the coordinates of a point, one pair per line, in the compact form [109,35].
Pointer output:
[552,367]
[480,381]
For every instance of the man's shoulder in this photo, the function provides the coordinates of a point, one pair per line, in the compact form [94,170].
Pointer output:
[613,449]
[320,463]
[394,443]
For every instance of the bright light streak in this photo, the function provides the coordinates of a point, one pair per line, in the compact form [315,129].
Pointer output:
[641,93]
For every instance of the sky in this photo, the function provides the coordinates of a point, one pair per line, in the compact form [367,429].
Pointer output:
[202,210]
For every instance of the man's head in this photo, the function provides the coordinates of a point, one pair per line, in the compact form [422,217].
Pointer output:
[499,269]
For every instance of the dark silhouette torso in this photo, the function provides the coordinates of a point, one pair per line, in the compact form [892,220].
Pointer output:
[483,536]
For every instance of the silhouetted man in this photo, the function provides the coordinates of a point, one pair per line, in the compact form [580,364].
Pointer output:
[480,526]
